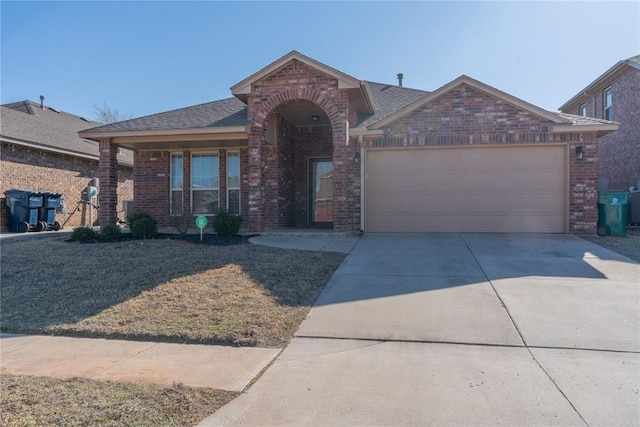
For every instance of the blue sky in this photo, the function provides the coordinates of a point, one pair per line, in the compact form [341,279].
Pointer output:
[146,57]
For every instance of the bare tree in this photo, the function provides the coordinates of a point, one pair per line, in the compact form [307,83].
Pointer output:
[105,114]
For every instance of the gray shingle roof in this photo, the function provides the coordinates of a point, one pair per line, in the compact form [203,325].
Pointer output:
[387,99]
[584,121]
[226,112]
[233,112]
[26,122]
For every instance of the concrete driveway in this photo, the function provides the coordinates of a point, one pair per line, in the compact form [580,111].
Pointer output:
[450,329]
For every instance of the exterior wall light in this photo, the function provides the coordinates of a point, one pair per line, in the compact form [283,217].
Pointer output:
[579,153]
[356,158]
[315,118]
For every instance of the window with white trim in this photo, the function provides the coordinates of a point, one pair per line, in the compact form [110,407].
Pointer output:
[607,101]
[583,110]
[175,196]
[233,183]
[204,184]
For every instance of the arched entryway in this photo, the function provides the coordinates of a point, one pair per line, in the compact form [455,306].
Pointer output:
[298,166]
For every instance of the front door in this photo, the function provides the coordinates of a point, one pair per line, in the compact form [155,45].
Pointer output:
[321,191]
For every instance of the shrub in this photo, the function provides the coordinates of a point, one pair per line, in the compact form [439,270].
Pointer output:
[110,233]
[226,224]
[182,223]
[83,234]
[142,226]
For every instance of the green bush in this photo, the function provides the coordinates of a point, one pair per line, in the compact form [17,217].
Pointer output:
[226,224]
[142,226]
[83,234]
[110,233]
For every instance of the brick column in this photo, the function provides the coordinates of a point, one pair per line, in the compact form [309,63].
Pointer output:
[583,185]
[256,192]
[108,174]
[341,167]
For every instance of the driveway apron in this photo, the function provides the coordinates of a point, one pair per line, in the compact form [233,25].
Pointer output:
[449,329]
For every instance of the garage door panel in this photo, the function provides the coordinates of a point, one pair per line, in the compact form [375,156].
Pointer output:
[470,189]
[478,224]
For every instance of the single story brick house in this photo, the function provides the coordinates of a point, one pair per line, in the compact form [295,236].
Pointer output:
[41,151]
[301,144]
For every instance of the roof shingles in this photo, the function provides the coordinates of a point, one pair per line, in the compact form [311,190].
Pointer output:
[223,113]
[26,122]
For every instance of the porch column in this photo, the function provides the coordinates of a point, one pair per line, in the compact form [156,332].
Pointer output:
[341,209]
[256,191]
[108,175]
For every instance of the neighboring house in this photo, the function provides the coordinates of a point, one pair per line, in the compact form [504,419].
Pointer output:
[615,95]
[464,158]
[41,151]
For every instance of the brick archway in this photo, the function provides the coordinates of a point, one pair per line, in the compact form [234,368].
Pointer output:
[261,183]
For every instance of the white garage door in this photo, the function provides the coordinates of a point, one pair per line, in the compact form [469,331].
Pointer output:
[514,189]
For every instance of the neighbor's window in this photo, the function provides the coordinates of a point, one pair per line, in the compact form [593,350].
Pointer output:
[233,183]
[175,198]
[607,103]
[204,184]
[583,110]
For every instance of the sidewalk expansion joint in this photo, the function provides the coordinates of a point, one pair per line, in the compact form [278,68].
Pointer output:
[515,325]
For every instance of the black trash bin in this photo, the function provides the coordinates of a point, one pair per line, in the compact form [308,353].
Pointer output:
[51,202]
[24,207]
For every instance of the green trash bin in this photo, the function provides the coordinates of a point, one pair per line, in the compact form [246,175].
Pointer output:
[612,213]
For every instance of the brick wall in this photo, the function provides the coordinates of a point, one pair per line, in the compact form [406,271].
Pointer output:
[619,152]
[467,116]
[465,111]
[27,168]
[151,192]
[152,177]
[295,82]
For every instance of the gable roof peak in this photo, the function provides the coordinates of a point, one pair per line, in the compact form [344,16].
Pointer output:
[244,87]
[478,85]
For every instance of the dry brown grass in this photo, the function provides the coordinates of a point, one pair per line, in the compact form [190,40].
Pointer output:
[168,290]
[40,401]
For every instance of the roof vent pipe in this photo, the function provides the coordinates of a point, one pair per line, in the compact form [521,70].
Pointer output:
[400,77]
[42,101]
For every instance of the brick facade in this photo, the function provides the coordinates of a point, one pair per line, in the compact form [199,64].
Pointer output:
[275,166]
[152,177]
[294,82]
[33,169]
[619,152]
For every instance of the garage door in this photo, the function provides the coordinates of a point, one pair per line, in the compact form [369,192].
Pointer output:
[515,189]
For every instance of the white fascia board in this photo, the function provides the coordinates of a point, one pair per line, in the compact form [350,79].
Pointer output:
[164,132]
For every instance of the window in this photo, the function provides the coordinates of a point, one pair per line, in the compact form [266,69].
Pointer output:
[607,103]
[175,196]
[204,184]
[233,183]
[583,110]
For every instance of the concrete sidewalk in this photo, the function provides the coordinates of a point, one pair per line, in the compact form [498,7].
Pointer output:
[226,368]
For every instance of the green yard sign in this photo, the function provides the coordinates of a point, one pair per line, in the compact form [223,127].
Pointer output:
[201,221]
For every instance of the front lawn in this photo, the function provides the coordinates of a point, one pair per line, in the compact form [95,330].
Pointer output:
[41,401]
[161,289]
